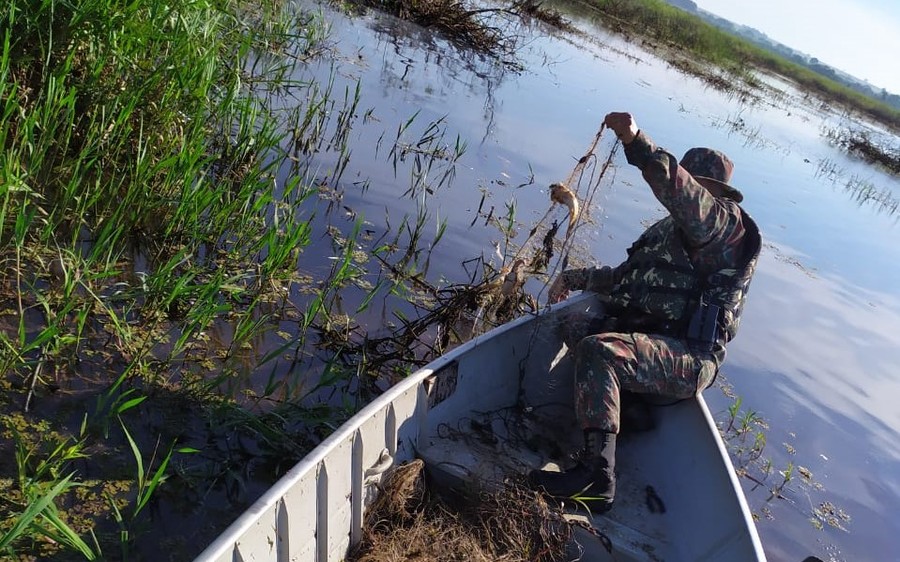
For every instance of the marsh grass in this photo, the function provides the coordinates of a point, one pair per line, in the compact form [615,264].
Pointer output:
[138,208]
[880,150]
[863,190]
[676,29]
[159,134]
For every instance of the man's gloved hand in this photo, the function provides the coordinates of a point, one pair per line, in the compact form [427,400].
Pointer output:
[558,290]
[623,125]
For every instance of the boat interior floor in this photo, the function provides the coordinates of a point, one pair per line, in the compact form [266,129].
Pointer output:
[489,450]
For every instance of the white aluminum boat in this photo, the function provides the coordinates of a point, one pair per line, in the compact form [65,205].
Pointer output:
[678,498]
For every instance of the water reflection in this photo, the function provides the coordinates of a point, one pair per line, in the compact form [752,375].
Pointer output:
[865,192]
[819,343]
[861,188]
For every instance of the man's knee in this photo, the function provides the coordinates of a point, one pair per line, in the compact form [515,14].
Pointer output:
[612,348]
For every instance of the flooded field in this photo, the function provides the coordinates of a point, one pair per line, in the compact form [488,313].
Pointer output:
[414,168]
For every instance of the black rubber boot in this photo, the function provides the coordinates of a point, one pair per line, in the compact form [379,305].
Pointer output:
[592,480]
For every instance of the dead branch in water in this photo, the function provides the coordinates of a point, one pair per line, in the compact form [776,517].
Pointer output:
[482,29]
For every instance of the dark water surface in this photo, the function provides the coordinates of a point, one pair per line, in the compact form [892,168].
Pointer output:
[819,348]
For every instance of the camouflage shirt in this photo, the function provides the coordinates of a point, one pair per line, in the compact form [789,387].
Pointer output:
[703,234]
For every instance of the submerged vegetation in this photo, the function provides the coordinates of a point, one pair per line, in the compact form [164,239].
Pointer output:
[746,435]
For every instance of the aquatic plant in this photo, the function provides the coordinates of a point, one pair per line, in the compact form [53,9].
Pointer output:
[875,148]
[745,433]
[44,476]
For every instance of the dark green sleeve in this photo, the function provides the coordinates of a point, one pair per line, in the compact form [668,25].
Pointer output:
[702,217]
[595,279]
[640,150]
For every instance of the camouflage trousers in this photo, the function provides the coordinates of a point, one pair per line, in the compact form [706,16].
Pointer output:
[608,363]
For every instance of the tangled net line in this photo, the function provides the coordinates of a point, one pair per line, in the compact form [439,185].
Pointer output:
[515,512]
[499,296]
[578,201]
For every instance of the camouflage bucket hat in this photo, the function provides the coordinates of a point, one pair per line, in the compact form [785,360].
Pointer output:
[712,169]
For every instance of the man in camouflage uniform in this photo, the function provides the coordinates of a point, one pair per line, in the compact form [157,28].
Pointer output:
[672,305]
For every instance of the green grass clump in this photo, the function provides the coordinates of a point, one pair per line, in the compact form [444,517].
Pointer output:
[136,171]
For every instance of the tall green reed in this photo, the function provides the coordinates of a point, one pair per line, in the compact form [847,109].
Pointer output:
[138,207]
[44,476]
[145,137]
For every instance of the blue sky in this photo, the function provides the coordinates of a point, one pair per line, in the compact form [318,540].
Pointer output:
[861,37]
